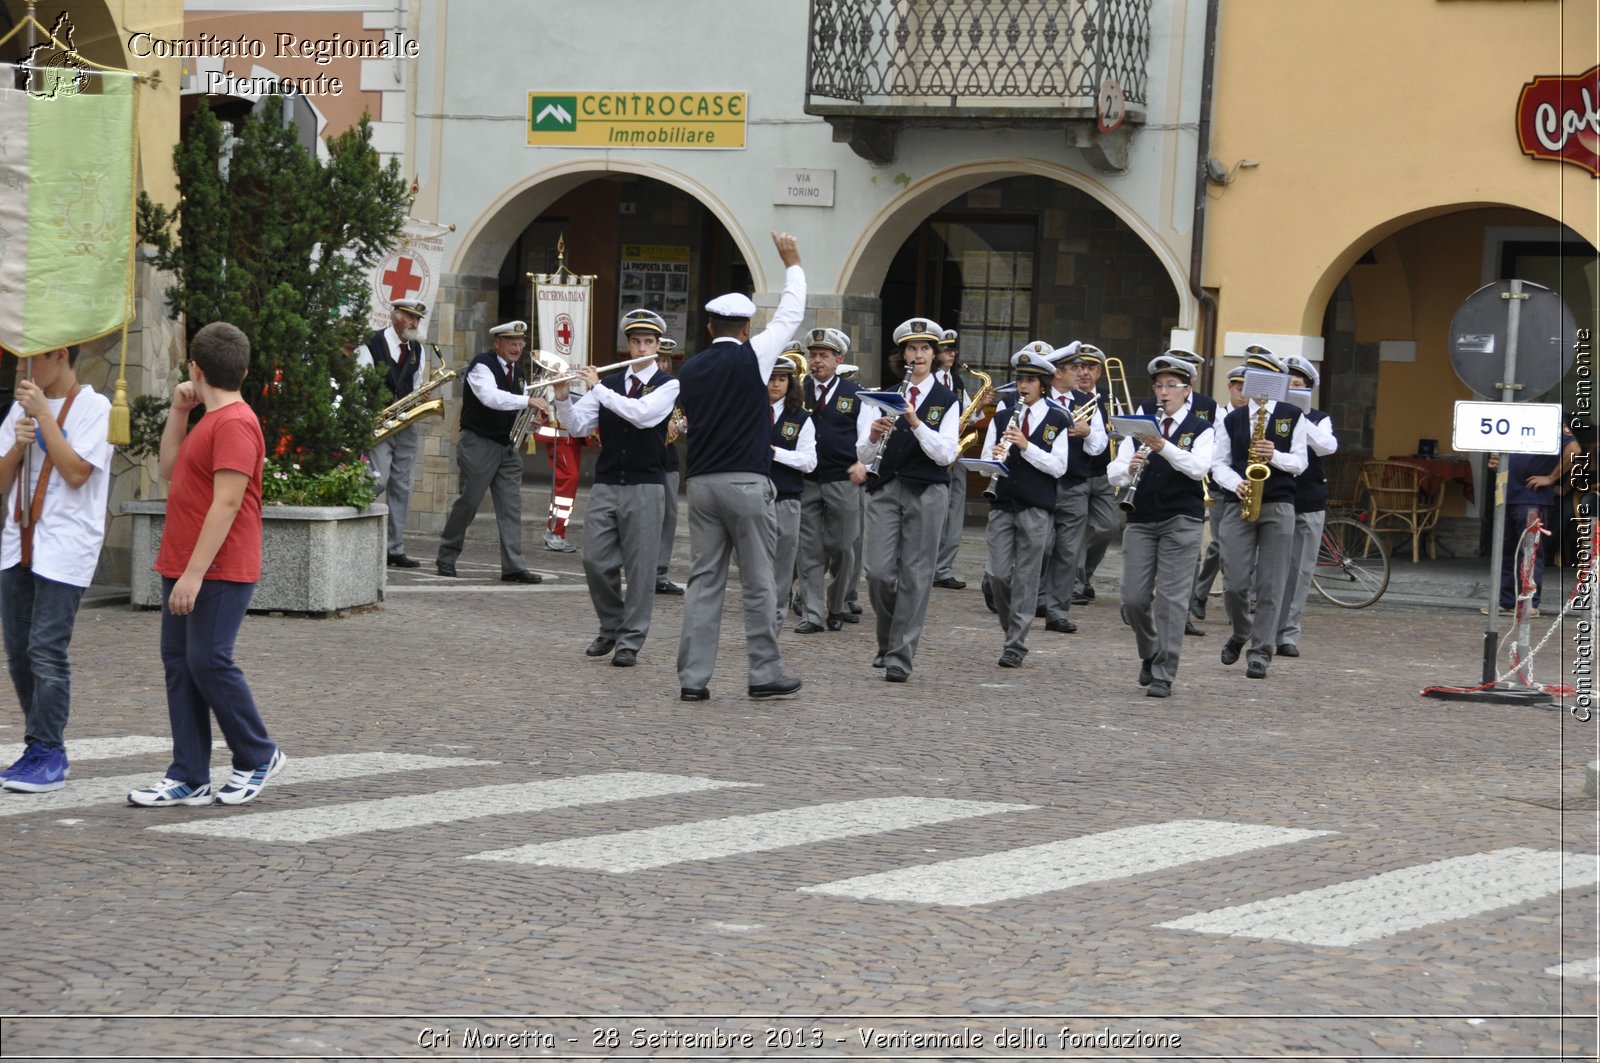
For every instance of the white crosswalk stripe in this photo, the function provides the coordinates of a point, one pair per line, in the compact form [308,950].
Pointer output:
[1062,865]
[99,748]
[1381,906]
[637,850]
[114,789]
[421,810]
[1578,970]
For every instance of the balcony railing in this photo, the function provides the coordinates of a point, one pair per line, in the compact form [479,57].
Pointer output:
[932,59]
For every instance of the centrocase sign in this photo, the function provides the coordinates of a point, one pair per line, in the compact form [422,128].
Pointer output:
[1558,119]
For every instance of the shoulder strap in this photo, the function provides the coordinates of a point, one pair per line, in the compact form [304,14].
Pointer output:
[37,505]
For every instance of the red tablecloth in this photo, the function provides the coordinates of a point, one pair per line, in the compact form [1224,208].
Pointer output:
[1442,471]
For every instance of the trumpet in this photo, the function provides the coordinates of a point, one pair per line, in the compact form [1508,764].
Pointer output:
[415,406]
[1086,411]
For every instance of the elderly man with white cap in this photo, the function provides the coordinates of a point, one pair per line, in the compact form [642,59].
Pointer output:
[622,526]
[397,353]
[1030,436]
[724,396]
[485,458]
[1310,507]
[1160,473]
[1255,553]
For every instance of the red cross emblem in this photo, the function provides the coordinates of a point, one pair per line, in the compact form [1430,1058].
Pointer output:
[402,279]
[563,333]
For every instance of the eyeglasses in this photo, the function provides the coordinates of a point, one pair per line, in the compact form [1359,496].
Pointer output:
[1163,385]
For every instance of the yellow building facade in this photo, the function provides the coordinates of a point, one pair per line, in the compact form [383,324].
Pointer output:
[1367,176]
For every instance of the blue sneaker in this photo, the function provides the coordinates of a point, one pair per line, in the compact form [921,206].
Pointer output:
[171,792]
[45,772]
[28,754]
[244,786]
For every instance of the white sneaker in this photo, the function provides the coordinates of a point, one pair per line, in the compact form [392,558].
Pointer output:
[243,786]
[171,792]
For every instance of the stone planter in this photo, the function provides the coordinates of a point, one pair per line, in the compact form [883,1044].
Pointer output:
[314,559]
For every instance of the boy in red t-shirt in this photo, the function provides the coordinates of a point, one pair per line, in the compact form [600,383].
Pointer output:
[210,562]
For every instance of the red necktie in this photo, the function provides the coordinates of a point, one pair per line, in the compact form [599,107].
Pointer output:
[913,396]
[1166,428]
[1026,413]
[822,395]
[635,388]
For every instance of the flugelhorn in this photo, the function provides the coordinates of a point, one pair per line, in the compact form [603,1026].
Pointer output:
[415,406]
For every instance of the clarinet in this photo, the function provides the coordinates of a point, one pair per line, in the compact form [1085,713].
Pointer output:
[883,443]
[990,492]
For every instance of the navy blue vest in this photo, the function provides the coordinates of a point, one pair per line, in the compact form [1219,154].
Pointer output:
[397,376]
[1280,430]
[493,425]
[630,455]
[903,455]
[835,425]
[1311,486]
[1026,486]
[1164,491]
[724,396]
[785,435]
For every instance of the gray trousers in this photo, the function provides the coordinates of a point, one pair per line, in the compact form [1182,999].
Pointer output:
[1069,524]
[621,533]
[1302,564]
[395,461]
[1157,571]
[1258,552]
[852,580]
[669,527]
[730,513]
[1205,573]
[786,512]
[900,548]
[1103,514]
[955,522]
[830,534]
[1016,552]
[484,465]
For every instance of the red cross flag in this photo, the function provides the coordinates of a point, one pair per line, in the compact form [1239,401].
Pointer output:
[562,305]
[409,271]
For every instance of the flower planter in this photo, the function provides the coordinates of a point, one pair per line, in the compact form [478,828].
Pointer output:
[314,559]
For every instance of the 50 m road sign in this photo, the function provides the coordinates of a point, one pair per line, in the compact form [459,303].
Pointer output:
[1508,427]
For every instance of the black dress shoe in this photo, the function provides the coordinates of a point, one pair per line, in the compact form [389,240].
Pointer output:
[693,694]
[806,627]
[782,688]
[600,647]
[1081,599]
[855,610]
[1145,677]
[402,561]
[1065,626]
[1255,670]
[1088,592]
[666,586]
[1230,650]
[521,577]
[445,568]
[896,675]
[1010,659]
[950,583]
[625,658]
[1040,612]
[988,595]
[1191,628]
[850,618]
[877,662]
[835,622]
[1287,650]
[1158,690]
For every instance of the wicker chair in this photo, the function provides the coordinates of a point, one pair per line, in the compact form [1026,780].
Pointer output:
[1399,503]
[1343,470]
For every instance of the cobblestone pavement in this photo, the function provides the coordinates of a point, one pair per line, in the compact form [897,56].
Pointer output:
[1167,847]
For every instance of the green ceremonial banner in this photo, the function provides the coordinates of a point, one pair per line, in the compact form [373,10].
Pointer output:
[66,211]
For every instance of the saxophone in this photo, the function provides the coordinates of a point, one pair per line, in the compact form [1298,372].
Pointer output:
[974,409]
[415,406]
[1256,472]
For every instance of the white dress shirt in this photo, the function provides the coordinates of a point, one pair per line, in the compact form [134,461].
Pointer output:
[483,385]
[1320,439]
[1194,463]
[392,338]
[1291,461]
[646,411]
[1050,460]
[803,458]
[939,444]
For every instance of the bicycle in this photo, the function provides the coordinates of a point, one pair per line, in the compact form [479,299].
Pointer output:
[1352,568]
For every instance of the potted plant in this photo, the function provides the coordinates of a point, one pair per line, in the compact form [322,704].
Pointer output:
[267,237]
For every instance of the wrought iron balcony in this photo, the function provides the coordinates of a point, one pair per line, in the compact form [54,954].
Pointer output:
[877,65]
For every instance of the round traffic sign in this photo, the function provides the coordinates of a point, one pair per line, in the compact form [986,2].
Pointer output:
[1480,331]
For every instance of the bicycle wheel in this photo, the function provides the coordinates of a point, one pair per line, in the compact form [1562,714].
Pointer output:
[1352,566]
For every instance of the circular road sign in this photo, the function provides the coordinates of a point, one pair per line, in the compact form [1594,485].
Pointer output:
[1479,334]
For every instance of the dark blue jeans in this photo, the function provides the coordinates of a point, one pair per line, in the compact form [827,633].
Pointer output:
[202,679]
[1516,523]
[37,615]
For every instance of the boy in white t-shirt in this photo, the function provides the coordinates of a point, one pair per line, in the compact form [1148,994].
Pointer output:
[45,567]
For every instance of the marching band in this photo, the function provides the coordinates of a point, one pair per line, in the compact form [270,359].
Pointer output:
[807,478]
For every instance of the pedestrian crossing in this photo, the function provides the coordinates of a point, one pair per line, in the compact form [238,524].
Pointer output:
[1343,914]
[99,748]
